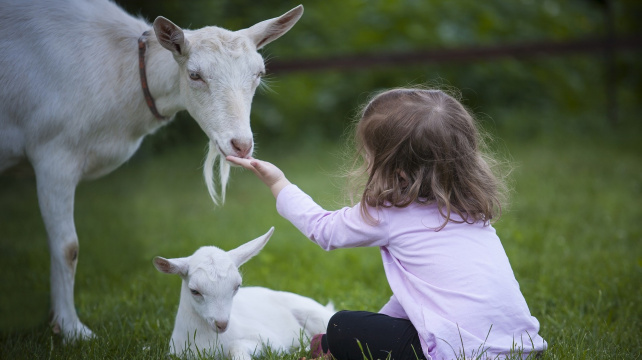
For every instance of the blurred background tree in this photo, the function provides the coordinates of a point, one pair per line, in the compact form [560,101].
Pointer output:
[318,105]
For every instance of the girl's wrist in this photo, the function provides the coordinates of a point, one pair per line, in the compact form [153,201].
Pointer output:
[278,186]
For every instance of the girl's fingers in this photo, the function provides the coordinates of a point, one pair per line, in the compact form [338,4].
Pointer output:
[272,176]
[250,164]
[239,161]
[260,169]
[258,166]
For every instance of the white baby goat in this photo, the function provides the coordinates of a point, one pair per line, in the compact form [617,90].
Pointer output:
[216,314]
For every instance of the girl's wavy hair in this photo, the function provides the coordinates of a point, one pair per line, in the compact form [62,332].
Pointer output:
[417,145]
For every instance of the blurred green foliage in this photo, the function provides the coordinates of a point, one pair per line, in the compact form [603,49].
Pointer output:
[319,105]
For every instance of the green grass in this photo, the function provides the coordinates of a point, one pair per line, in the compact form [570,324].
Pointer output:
[573,236]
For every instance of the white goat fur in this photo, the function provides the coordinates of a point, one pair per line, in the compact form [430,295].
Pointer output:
[71,103]
[216,314]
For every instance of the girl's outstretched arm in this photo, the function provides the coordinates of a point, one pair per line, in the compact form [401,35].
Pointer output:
[271,175]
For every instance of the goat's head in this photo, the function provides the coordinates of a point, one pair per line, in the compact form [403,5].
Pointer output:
[211,279]
[219,71]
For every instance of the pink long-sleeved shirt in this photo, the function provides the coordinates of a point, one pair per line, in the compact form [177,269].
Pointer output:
[455,285]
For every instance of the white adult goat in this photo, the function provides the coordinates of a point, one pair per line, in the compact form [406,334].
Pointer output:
[216,314]
[71,103]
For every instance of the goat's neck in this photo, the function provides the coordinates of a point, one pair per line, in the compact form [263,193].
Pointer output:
[163,78]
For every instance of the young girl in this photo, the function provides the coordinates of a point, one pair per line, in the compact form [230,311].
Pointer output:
[427,204]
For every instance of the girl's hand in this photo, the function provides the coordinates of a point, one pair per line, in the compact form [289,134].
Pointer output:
[271,175]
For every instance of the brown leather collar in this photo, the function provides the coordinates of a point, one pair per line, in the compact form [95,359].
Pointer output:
[142,47]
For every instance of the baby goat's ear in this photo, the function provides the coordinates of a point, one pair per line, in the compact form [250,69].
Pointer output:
[177,266]
[246,251]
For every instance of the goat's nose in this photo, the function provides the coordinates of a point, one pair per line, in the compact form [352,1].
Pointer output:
[221,325]
[242,147]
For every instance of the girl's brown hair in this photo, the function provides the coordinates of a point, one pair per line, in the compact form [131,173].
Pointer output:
[424,146]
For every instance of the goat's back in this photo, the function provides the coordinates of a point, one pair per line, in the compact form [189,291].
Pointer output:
[54,48]
[70,68]
[277,315]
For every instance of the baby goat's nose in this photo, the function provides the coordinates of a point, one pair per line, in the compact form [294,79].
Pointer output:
[221,325]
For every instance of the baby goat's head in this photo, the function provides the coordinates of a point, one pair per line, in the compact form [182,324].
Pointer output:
[211,279]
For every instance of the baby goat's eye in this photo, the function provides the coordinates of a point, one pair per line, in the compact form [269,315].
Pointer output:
[195,292]
[236,289]
[194,76]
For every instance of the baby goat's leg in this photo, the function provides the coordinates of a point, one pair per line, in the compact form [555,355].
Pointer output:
[56,187]
[241,350]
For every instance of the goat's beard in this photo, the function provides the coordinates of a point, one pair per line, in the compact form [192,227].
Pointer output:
[208,174]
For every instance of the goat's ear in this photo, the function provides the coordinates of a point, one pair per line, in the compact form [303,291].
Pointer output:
[245,252]
[177,266]
[170,36]
[267,31]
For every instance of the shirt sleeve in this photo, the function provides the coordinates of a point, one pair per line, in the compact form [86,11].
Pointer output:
[331,230]
[393,308]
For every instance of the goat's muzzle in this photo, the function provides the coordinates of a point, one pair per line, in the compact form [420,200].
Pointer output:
[220,326]
[242,147]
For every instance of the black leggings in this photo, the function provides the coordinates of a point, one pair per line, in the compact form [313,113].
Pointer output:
[378,334]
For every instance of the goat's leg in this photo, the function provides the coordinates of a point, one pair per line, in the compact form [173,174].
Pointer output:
[240,349]
[56,189]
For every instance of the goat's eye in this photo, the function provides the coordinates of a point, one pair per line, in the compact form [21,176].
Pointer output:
[237,288]
[194,76]
[195,292]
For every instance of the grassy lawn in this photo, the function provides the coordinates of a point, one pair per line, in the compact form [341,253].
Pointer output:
[573,234]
